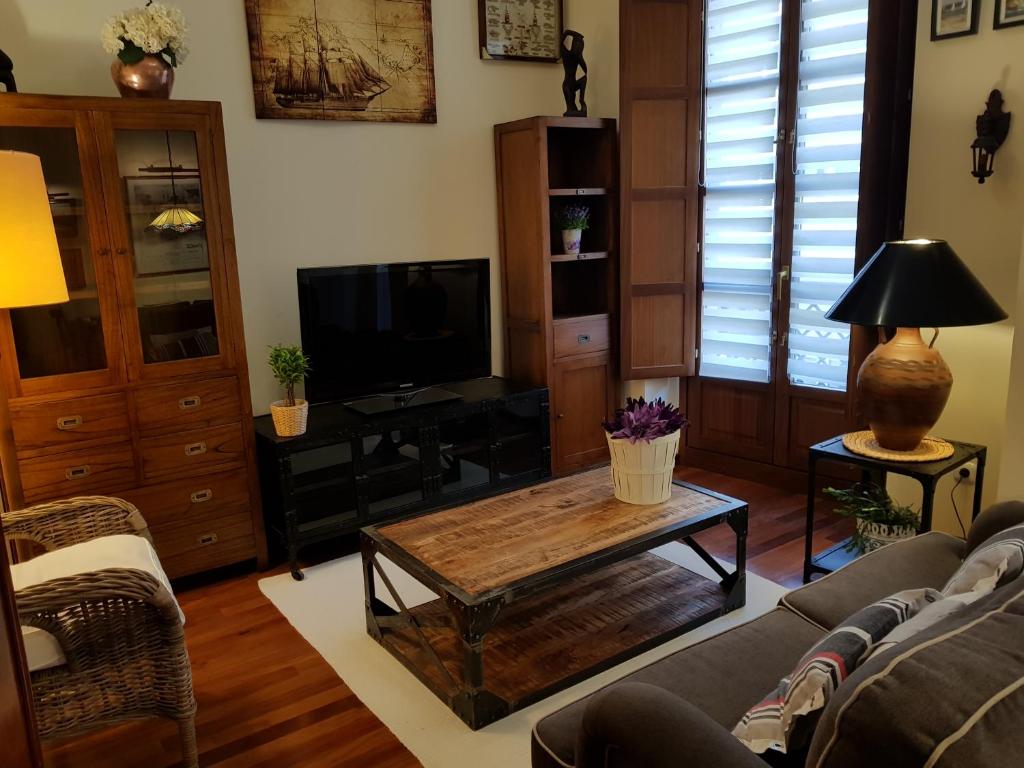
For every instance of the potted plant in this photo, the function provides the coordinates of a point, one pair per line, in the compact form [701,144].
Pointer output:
[572,220]
[289,365]
[643,439]
[149,42]
[880,520]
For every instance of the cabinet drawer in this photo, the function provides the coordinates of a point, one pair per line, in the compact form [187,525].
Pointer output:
[62,424]
[580,337]
[90,470]
[193,403]
[175,540]
[213,554]
[192,451]
[184,501]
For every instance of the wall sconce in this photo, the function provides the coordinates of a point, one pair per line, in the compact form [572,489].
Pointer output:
[992,126]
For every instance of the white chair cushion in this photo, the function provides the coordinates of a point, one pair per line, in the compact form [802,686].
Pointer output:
[126,551]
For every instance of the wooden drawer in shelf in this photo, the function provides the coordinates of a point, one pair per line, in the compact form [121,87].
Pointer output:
[62,424]
[581,336]
[176,540]
[217,550]
[185,501]
[193,451]
[88,470]
[187,404]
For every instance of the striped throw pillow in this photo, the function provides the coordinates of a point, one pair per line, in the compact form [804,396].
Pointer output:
[785,719]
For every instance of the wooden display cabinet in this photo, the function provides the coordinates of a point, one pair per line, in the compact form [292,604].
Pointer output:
[561,309]
[138,386]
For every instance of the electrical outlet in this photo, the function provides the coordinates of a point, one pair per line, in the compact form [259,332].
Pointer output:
[968,472]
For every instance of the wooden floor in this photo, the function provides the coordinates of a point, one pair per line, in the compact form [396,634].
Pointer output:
[266,698]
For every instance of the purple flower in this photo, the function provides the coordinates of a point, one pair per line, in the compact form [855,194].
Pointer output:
[644,421]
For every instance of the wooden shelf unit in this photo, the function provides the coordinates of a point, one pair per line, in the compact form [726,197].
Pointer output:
[561,310]
[138,387]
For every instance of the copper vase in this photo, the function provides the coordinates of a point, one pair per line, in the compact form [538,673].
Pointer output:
[149,78]
[903,386]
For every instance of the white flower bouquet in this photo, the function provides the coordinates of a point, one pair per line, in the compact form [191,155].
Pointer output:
[153,29]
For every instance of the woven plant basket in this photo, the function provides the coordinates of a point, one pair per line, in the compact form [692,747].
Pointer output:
[877,535]
[642,472]
[289,420]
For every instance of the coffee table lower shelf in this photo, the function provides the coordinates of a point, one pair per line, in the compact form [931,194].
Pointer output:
[554,639]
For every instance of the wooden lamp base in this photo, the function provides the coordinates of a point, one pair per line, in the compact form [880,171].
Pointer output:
[903,386]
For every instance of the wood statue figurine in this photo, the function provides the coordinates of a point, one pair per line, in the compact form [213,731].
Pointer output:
[7,73]
[572,62]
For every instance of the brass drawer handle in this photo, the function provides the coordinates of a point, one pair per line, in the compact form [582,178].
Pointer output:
[583,338]
[206,539]
[77,473]
[65,423]
[190,402]
[200,496]
[195,449]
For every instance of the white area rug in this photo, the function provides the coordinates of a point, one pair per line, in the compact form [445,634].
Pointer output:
[327,610]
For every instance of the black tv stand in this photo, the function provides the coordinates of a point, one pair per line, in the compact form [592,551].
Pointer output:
[353,469]
[396,401]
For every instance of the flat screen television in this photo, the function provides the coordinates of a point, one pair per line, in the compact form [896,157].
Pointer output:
[382,328]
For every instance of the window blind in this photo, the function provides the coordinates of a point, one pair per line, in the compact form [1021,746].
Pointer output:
[830,107]
[740,126]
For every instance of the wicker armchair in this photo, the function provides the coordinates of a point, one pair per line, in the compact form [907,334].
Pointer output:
[119,629]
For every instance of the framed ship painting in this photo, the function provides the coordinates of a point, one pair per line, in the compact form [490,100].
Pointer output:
[527,30]
[370,60]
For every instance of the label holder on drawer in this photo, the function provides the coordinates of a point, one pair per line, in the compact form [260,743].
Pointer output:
[190,402]
[195,449]
[198,497]
[66,423]
[77,473]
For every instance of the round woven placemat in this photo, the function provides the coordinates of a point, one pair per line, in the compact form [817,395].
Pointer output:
[864,443]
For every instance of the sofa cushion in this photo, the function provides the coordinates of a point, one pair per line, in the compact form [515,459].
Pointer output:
[784,720]
[927,560]
[42,650]
[996,518]
[952,695]
[721,676]
[997,561]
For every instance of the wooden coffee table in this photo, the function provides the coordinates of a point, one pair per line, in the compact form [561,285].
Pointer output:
[543,587]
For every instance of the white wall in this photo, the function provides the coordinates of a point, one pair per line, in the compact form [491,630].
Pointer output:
[308,193]
[1011,476]
[983,223]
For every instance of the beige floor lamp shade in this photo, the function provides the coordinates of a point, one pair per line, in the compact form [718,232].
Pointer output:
[31,272]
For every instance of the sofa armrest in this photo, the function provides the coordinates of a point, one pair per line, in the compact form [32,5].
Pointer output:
[636,725]
[59,524]
[993,520]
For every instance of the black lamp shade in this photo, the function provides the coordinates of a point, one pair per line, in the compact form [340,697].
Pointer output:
[916,284]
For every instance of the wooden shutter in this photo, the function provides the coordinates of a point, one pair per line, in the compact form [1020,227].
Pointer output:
[660,115]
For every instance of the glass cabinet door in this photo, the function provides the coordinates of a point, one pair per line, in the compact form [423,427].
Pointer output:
[79,338]
[168,248]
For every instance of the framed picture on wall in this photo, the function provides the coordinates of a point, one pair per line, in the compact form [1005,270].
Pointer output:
[954,18]
[1009,13]
[523,30]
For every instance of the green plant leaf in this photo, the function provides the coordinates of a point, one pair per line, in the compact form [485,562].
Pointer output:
[171,57]
[131,53]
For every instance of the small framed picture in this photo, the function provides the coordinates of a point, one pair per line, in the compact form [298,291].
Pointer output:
[1009,13]
[954,18]
[523,30]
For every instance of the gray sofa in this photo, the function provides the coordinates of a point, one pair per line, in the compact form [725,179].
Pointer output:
[953,694]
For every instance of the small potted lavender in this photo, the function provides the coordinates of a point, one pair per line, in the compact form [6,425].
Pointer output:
[572,220]
[643,439]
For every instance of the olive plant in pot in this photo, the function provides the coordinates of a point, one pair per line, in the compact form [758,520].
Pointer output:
[572,220]
[643,440]
[289,366]
[880,520]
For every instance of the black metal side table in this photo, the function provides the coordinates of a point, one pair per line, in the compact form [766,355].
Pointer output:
[928,473]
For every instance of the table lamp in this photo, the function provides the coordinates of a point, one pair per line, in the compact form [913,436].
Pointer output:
[31,272]
[904,384]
